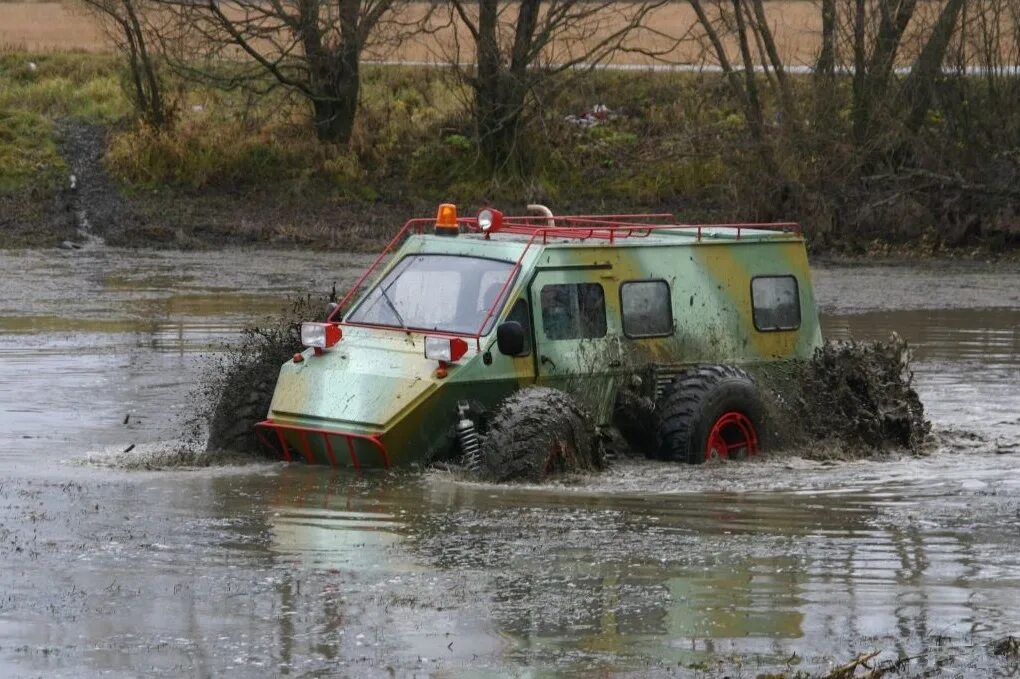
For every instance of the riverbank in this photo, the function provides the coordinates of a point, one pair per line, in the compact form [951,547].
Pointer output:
[71,200]
[238,169]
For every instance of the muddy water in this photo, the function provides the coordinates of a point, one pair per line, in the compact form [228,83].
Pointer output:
[262,570]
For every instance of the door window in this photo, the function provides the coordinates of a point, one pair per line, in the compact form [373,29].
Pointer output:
[573,311]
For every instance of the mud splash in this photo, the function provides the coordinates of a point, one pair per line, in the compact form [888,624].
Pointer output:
[179,455]
[852,400]
[218,430]
[239,389]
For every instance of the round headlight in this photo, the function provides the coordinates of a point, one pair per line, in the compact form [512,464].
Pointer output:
[490,220]
[485,220]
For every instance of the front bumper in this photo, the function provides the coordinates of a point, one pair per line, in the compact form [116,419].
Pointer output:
[324,446]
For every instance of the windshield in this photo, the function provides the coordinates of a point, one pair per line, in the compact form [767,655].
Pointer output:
[435,292]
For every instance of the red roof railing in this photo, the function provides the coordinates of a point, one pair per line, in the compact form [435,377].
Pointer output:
[617,227]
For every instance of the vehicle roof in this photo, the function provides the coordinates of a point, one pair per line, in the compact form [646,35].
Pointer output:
[511,244]
[680,236]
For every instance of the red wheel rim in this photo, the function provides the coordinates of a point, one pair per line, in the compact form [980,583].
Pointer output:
[732,436]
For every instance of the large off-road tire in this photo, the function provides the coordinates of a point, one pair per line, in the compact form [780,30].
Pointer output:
[711,412]
[233,424]
[538,432]
[637,420]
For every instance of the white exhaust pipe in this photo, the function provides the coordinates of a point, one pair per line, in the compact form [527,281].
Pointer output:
[543,210]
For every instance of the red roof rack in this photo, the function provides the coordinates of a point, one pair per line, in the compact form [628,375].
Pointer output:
[540,228]
[616,227]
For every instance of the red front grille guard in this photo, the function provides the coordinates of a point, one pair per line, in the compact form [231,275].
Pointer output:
[305,448]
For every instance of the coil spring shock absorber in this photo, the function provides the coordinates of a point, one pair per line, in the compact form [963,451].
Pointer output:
[467,437]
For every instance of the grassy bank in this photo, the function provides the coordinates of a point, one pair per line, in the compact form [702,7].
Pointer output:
[241,168]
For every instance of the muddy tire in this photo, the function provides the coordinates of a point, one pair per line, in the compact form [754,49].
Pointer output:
[709,412]
[539,432]
[636,419]
[233,427]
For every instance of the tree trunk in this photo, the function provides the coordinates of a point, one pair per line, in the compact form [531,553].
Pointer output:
[501,93]
[768,40]
[500,113]
[335,76]
[920,85]
[826,66]
[745,92]
[754,110]
[154,109]
[825,69]
[720,52]
[876,81]
[140,99]
[334,119]
[487,82]
[859,112]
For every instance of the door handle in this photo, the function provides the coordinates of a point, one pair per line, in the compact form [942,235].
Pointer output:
[545,359]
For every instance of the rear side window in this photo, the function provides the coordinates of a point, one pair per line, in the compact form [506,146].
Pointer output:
[775,301]
[646,309]
[573,311]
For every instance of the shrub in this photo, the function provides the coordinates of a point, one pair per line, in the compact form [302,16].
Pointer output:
[28,153]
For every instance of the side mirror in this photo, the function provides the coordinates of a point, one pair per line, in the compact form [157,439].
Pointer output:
[510,338]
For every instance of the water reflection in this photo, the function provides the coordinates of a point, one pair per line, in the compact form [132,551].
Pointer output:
[988,336]
[616,582]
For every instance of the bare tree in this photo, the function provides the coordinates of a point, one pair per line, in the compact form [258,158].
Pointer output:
[860,72]
[126,25]
[764,35]
[872,84]
[754,104]
[521,46]
[747,21]
[311,48]
[826,65]
[990,40]
[920,85]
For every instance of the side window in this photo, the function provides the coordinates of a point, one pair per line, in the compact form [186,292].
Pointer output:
[775,301]
[574,311]
[522,315]
[647,310]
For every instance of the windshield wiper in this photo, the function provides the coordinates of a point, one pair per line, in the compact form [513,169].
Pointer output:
[393,308]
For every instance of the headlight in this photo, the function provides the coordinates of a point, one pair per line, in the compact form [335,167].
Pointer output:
[489,220]
[445,349]
[320,335]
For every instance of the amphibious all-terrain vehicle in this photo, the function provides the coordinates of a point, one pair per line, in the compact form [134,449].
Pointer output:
[496,339]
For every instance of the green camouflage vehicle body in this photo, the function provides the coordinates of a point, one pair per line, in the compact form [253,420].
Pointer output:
[673,296]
